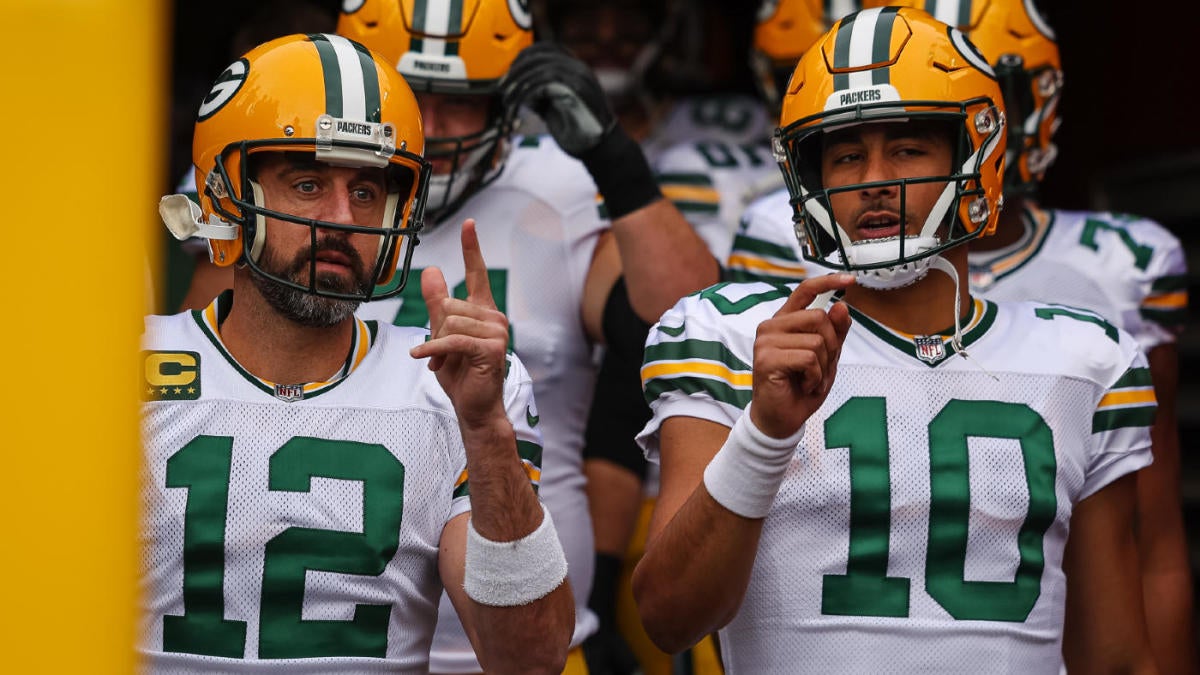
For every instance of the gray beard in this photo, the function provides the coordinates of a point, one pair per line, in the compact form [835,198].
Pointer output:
[303,307]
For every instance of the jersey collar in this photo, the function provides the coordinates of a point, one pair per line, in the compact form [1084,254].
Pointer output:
[210,319]
[933,349]
[986,268]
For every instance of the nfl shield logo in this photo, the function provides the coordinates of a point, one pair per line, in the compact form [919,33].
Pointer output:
[930,348]
[289,392]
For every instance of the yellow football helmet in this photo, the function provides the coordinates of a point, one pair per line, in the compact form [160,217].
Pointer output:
[785,29]
[320,94]
[1021,46]
[450,47]
[893,65]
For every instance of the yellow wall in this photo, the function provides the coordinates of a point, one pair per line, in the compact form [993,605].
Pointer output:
[82,121]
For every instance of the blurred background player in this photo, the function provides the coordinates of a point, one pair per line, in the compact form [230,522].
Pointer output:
[670,68]
[314,480]
[843,489]
[785,30]
[554,258]
[1128,269]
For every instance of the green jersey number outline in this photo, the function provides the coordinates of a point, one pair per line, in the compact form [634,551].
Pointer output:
[202,466]
[860,425]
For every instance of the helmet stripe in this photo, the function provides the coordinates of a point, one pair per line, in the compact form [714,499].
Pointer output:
[351,82]
[454,26]
[863,39]
[882,50]
[373,106]
[434,18]
[956,13]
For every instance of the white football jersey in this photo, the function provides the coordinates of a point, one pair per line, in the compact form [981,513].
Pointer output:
[921,524]
[725,118]
[295,528]
[1128,269]
[765,247]
[712,182]
[538,224]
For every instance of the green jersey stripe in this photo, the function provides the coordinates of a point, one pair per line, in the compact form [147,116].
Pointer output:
[1134,377]
[687,206]
[1170,283]
[718,390]
[691,179]
[1108,420]
[686,350]
[531,452]
[1170,318]
[750,244]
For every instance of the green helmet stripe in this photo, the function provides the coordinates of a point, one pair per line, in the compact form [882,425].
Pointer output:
[331,74]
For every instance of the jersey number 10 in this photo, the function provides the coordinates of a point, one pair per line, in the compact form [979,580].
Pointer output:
[865,589]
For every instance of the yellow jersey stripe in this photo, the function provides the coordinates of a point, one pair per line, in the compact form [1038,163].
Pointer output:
[666,369]
[1128,397]
[747,262]
[1177,300]
[690,193]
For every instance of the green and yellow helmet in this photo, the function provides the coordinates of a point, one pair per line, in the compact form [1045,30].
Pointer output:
[319,94]
[893,64]
[455,47]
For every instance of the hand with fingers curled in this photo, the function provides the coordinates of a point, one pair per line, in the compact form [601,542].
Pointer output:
[468,339]
[796,354]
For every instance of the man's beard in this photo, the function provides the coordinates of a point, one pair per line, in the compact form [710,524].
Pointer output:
[301,306]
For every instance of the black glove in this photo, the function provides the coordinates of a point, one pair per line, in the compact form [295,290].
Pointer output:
[606,651]
[565,93]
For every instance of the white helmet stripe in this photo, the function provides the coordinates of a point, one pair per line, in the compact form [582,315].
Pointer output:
[862,47]
[354,95]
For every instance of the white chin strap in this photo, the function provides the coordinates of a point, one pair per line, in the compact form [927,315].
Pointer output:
[939,263]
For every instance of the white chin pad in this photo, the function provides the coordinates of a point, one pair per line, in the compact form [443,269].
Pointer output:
[886,250]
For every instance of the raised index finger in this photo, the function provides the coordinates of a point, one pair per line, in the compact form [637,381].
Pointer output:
[811,288]
[479,286]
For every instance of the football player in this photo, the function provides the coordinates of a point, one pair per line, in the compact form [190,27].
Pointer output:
[1129,269]
[846,489]
[313,480]
[556,253]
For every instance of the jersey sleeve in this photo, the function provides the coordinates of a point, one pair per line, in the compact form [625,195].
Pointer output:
[523,414]
[699,356]
[1122,420]
[765,247]
[1163,309]
[712,181]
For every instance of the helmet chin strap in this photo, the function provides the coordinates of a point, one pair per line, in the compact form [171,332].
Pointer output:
[941,264]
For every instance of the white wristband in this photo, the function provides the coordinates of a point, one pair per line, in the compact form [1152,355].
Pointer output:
[511,573]
[746,472]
